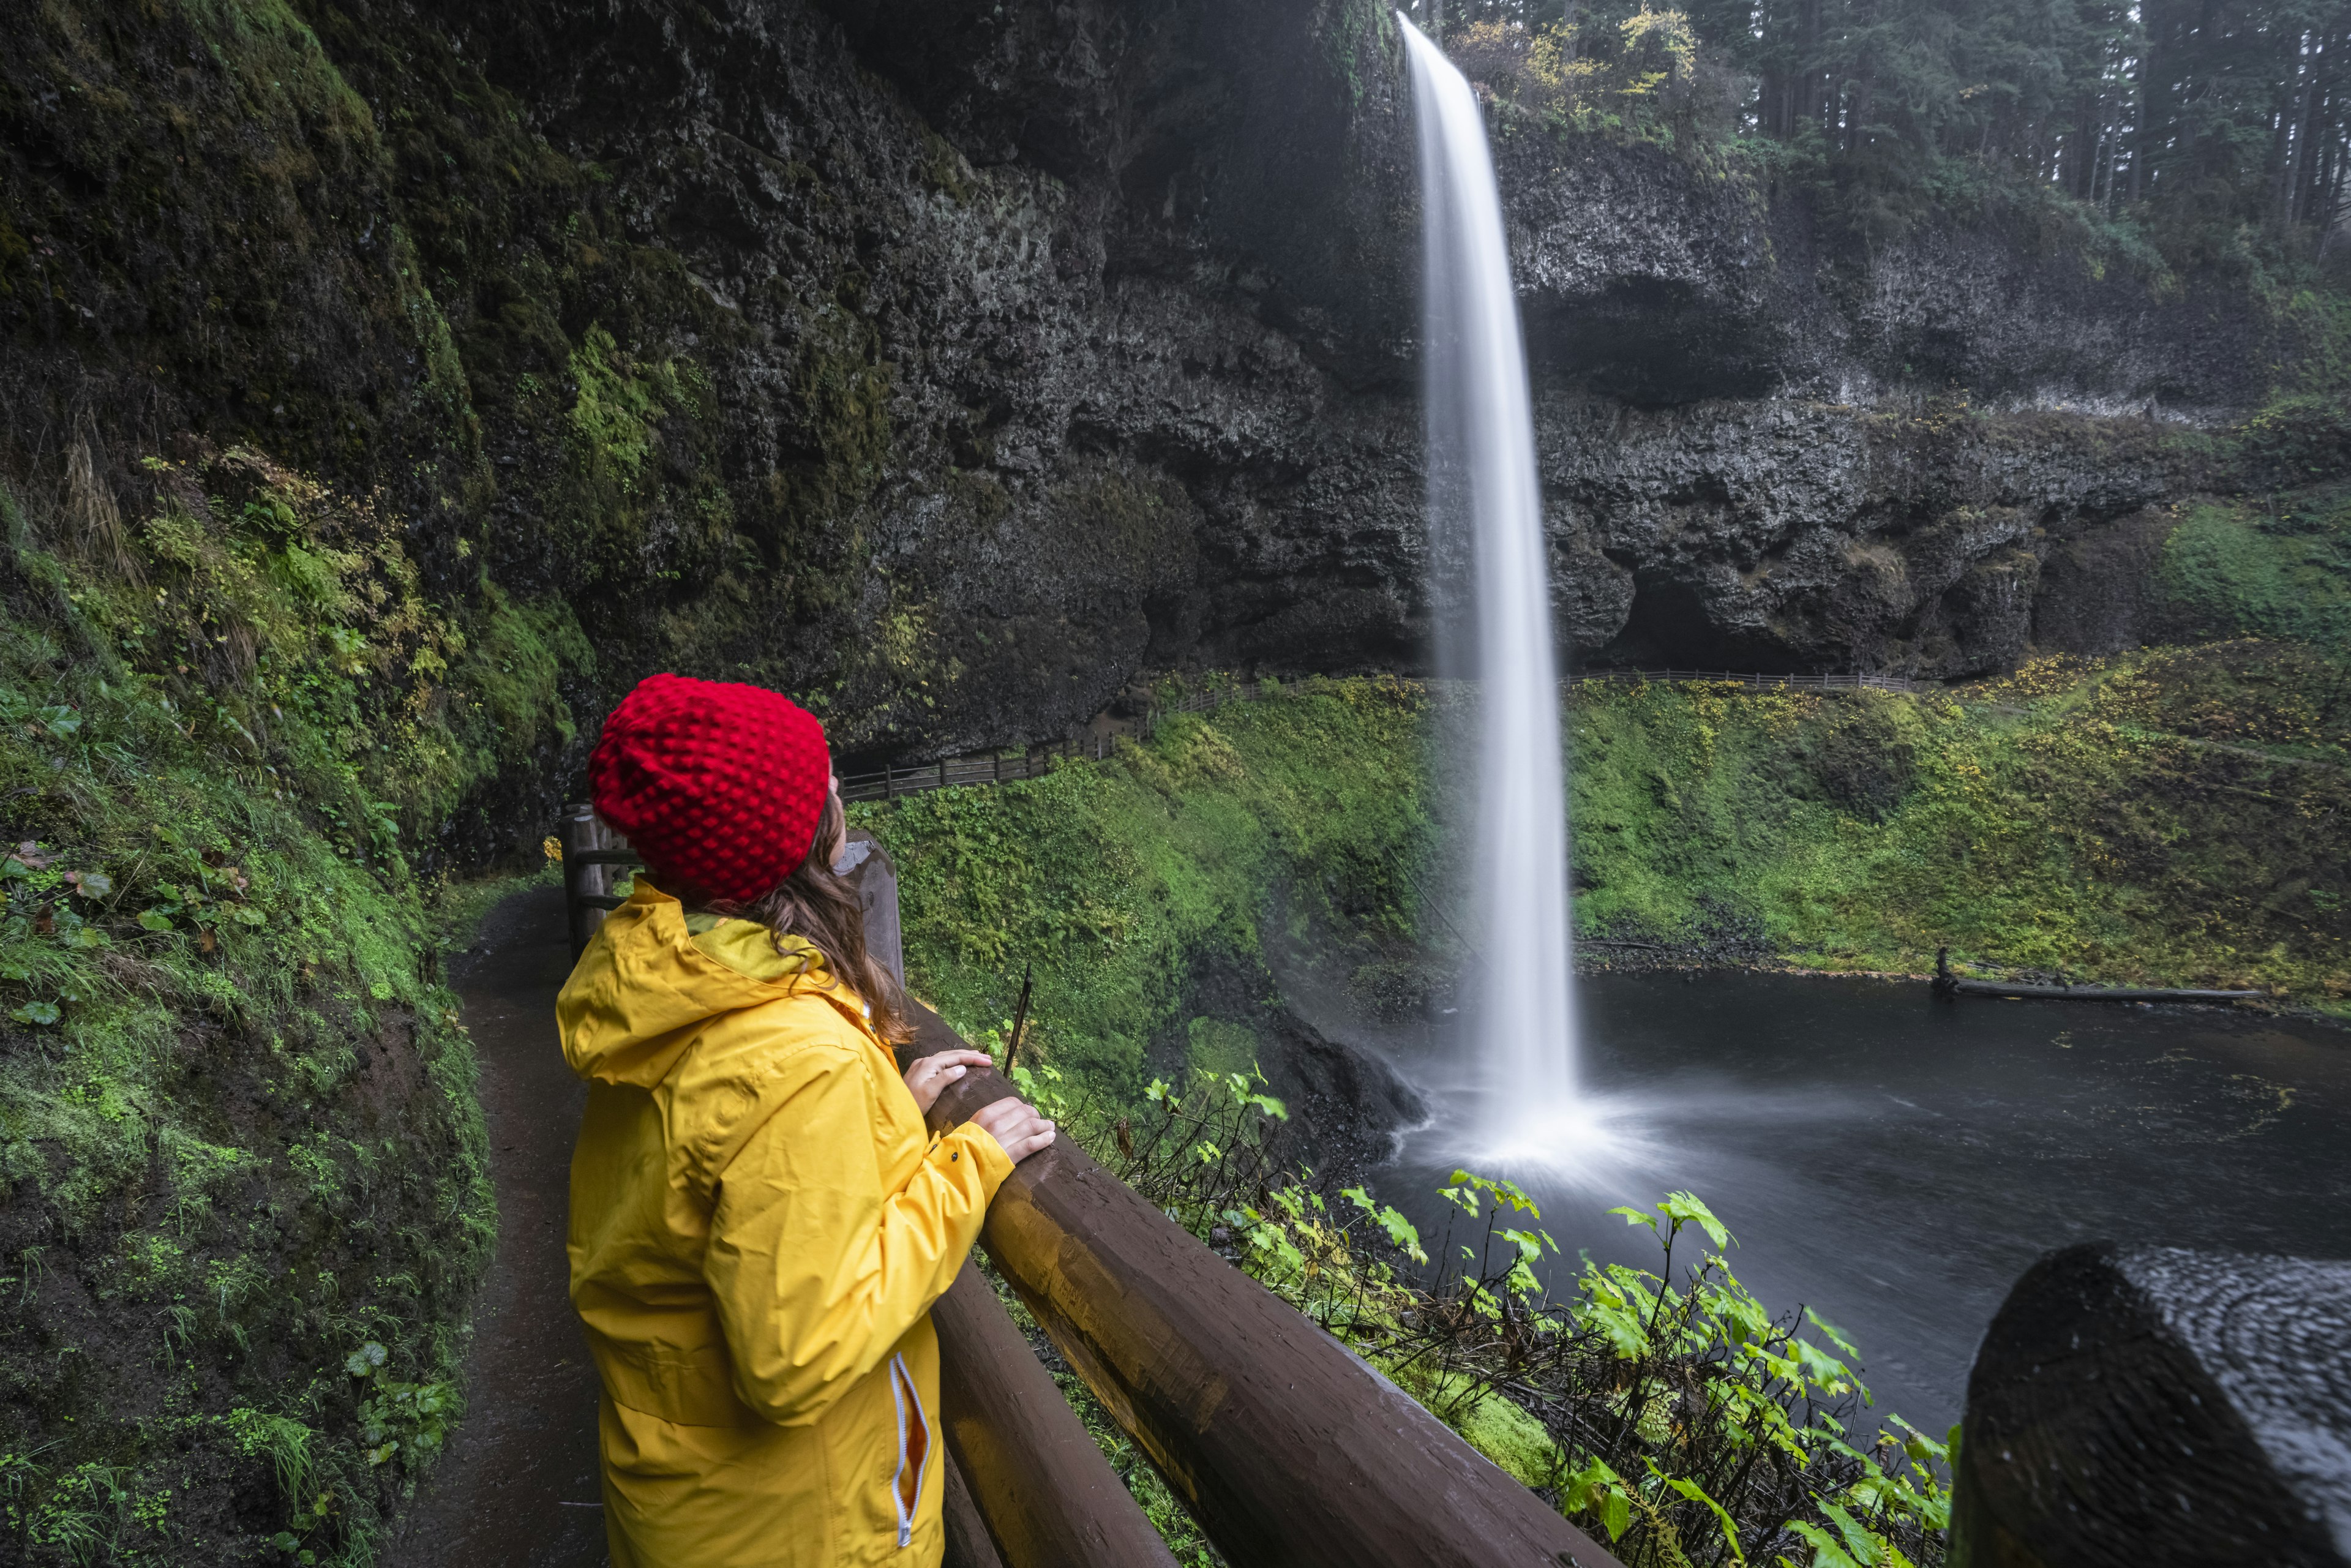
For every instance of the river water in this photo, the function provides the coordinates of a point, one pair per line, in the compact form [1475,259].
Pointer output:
[1896,1163]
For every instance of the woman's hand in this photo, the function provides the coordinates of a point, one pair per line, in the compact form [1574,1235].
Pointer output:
[930,1075]
[1015,1125]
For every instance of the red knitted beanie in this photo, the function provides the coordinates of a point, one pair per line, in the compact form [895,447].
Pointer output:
[718,786]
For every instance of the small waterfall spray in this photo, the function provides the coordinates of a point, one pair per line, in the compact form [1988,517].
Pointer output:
[1520,1003]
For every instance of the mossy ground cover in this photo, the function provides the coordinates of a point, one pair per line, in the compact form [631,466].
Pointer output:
[2175,816]
[244,1175]
[1116,880]
[2169,817]
[2281,569]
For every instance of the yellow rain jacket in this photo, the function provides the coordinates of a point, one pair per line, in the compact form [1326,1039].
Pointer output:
[759,1225]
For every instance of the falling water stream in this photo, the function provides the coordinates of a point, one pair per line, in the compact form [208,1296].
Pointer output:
[1891,1160]
[1518,1007]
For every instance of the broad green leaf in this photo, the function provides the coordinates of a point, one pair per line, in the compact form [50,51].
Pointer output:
[1697,1493]
[1686,1207]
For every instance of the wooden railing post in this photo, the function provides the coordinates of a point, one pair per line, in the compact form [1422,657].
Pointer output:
[591,852]
[2159,1408]
[1291,1451]
[577,831]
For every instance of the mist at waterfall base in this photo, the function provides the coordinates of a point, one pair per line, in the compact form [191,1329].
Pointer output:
[1493,597]
[1896,1163]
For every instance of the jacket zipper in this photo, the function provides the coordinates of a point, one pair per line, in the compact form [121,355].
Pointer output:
[914,1446]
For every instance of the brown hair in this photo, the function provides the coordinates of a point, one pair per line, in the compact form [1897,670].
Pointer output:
[821,908]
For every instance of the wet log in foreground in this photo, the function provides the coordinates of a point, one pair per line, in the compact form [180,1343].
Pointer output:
[1291,1451]
[2150,1407]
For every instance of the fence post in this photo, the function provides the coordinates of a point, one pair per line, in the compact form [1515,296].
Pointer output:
[576,830]
[943,772]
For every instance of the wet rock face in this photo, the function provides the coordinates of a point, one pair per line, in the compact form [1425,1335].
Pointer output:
[1145,285]
[953,362]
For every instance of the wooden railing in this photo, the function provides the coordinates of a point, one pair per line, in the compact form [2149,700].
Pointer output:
[1289,1449]
[891,782]
[888,783]
[2127,1406]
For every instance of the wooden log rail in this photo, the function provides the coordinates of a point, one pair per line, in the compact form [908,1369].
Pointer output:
[2152,1407]
[1291,1451]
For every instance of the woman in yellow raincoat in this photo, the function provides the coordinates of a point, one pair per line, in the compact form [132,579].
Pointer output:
[760,1221]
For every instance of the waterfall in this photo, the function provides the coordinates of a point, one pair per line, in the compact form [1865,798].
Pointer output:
[1485,505]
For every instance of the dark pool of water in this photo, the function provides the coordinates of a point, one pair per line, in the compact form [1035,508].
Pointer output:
[1896,1163]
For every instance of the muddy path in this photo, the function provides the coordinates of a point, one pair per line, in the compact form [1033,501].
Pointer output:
[518,1484]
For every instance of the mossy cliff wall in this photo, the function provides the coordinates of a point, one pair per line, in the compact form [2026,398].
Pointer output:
[951,363]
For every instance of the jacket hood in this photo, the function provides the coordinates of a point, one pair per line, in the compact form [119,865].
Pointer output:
[646,987]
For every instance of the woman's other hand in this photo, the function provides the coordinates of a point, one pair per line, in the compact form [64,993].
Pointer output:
[1015,1125]
[931,1074]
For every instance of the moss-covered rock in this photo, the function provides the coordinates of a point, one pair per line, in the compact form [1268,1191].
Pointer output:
[245,1186]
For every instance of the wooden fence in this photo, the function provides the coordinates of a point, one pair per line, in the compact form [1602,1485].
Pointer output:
[891,782]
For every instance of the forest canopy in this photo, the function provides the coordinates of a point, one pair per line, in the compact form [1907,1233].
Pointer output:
[2212,124]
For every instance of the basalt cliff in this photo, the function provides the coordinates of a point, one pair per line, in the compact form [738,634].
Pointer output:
[954,364]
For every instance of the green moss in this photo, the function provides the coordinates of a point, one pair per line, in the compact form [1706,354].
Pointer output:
[1115,878]
[948,172]
[2156,818]
[1220,1047]
[843,386]
[1491,1424]
[234,1101]
[2173,817]
[625,523]
[516,657]
[283,75]
[2236,568]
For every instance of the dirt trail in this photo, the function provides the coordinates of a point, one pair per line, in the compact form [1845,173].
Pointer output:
[519,1483]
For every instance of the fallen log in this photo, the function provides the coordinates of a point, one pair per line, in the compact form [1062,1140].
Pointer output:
[1291,1451]
[2094,993]
[1947,984]
[2153,1407]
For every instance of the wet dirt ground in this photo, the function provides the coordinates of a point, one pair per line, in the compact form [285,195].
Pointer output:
[518,1485]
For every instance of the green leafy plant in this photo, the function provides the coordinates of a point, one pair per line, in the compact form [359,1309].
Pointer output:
[409,1422]
[1677,1414]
